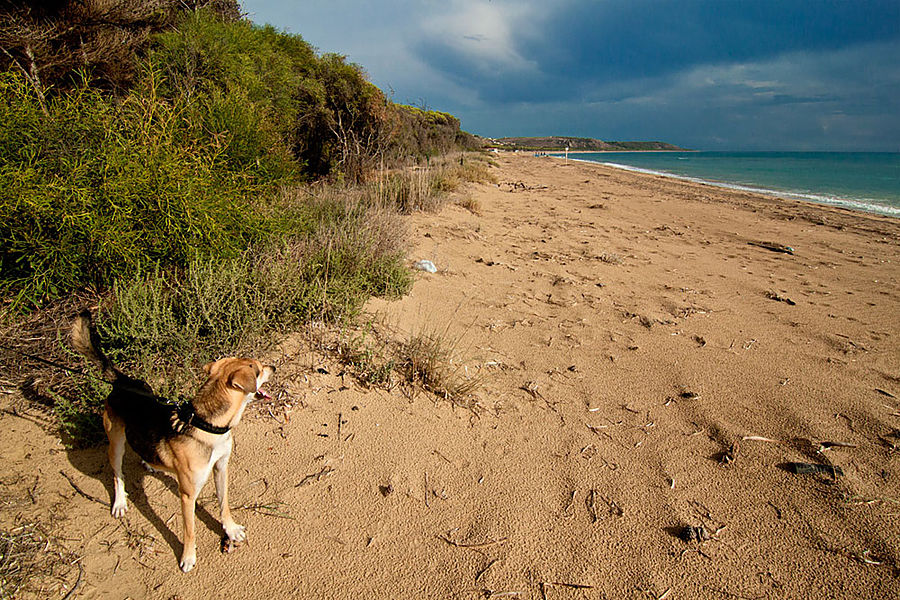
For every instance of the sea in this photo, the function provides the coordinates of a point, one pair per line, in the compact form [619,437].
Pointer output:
[865,181]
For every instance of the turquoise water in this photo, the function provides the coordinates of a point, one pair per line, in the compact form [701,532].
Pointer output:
[868,181]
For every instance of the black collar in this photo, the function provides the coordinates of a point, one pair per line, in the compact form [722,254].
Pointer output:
[183,414]
[187,416]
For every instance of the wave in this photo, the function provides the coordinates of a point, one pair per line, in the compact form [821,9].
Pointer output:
[861,204]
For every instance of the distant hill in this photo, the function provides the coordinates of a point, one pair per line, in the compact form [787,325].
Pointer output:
[576,144]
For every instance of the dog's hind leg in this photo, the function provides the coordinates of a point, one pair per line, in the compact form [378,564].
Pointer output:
[235,532]
[115,431]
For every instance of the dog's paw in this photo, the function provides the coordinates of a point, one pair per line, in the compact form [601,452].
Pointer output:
[235,532]
[119,509]
[188,561]
[228,546]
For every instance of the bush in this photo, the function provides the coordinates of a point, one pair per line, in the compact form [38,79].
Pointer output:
[99,189]
[241,81]
[422,134]
[162,323]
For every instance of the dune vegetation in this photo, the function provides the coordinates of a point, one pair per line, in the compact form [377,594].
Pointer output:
[203,180]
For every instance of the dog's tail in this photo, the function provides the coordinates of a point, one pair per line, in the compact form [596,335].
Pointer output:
[84,339]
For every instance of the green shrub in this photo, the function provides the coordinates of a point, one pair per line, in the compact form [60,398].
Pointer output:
[422,134]
[164,324]
[241,79]
[79,414]
[321,109]
[99,189]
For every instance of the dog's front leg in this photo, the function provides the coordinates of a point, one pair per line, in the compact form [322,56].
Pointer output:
[188,492]
[235,532]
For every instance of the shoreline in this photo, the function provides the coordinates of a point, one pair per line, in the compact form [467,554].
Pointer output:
[859,205]
[550,152]
[620,151]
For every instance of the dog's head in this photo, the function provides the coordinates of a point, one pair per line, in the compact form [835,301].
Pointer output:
[232,383]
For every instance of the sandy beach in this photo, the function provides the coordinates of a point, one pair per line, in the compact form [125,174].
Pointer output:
[646,368]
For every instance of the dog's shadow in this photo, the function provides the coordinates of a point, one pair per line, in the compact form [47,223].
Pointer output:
[93,463]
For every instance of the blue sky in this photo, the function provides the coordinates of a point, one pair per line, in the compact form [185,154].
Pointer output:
[705,74]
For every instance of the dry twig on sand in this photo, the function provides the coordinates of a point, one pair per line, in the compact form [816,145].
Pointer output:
[591,505]
[481,573]
[575,586]
[29,559]
[323,472]
[532,388]
[267,509]
[81,492]
[471,546]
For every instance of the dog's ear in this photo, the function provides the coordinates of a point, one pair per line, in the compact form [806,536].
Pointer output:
[243,379]
[208,367]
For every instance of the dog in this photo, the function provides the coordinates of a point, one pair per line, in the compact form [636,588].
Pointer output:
[189,441]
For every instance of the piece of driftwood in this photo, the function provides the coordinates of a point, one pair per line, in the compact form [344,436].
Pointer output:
[773,246]
[779,298]
[801,468]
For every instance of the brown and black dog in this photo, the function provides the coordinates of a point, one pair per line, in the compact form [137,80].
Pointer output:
[189,442]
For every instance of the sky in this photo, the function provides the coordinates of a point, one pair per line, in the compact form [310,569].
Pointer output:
[798,75]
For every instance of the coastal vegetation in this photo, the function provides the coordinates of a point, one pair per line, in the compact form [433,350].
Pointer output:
[204,181]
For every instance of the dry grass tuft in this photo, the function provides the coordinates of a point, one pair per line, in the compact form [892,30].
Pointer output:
[611,258]
[368,355]
[426,188]
[429,360]
[471,204]
[376,357]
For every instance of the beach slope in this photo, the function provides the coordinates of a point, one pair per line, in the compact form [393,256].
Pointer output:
[652,370]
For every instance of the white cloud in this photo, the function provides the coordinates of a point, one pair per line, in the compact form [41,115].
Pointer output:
[485,33]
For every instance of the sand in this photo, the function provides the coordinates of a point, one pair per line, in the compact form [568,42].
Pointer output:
[628,339]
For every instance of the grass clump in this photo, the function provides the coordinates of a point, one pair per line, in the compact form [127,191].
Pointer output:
[471,204]
[426,187]
[367,355]
[427,360]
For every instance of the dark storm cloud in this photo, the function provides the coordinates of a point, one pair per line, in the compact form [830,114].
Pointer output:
[583,45]
[707,74]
